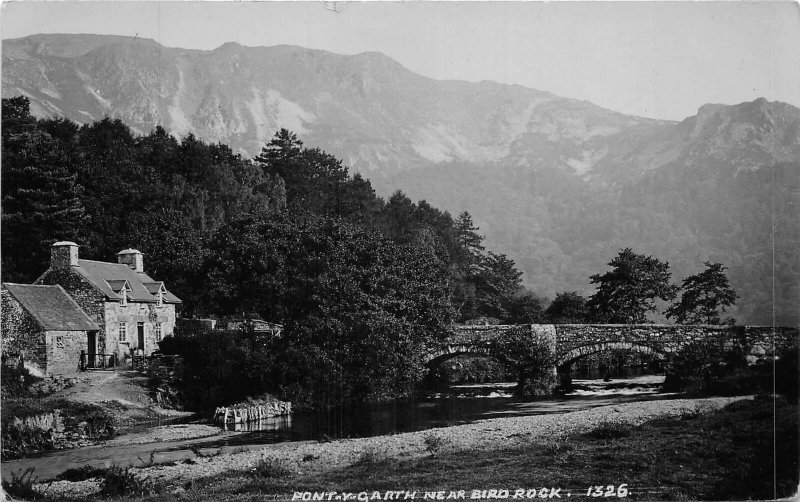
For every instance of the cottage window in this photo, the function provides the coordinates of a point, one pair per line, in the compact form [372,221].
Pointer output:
[160,298]
[124,300]
[60,342]
[123,332]
[158,331]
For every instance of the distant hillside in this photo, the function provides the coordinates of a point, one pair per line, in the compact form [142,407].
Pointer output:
[558,184]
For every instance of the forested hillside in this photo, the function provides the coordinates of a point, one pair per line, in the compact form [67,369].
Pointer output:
[557,185]
[191,207]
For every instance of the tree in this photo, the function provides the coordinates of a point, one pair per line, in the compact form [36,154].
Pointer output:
[705,296]
[359,310]
[497,282]
[525,308]
[41,200]
[628,292]
[532,357]
[315,181]
[567,308]
[467,237]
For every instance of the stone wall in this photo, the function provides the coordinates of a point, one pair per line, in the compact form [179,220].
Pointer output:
[22,335]
[85,295]
[132,314]
[108,314]
[757,342]
[63,356]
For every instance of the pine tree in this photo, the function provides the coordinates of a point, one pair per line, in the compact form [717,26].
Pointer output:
[40,199]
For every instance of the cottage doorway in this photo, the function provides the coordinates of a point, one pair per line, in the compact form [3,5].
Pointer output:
[91,348]
[140,332]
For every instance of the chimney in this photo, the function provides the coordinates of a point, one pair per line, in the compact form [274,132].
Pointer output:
[131,258]
[63,255]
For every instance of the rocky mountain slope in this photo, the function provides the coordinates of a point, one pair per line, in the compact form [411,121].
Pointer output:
[559,185]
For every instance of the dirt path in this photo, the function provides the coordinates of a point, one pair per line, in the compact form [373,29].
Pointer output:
[123,393]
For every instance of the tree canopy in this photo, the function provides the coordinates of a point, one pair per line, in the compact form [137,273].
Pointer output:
[362,285]
[628,292]
[704,296]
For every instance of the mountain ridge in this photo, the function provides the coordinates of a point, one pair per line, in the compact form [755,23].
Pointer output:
[558,184]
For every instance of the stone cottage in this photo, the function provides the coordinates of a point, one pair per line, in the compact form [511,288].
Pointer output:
[133,311]
[45,327]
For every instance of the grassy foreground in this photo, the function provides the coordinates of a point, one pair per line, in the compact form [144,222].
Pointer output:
[748,450]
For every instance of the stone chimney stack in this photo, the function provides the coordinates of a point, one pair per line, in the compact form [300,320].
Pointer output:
[131,258]
[63,255]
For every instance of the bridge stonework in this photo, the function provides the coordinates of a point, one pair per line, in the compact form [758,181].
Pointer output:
[570,342]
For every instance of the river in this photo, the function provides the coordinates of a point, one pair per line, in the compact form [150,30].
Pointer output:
[461,404]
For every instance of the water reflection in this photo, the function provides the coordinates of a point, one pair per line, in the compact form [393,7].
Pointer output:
[273,424]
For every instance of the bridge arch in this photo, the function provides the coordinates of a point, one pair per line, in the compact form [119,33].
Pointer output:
[570,356]
[448,353]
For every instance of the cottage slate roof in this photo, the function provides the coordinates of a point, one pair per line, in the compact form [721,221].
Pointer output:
[117,285]
[154,287]
[102,274]
[51,307]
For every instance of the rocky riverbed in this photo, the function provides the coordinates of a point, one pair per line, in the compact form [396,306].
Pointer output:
[310,457]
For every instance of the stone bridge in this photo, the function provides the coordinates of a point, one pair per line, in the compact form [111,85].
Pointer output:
[571,342]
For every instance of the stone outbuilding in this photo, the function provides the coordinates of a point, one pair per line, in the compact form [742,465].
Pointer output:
[133,311]
[45,327]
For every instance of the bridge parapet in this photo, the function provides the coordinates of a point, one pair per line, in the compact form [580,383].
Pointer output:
[577,340]
[462,335]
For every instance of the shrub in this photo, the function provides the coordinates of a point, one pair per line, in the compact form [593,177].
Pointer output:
[16,382]
[81,473]
[370,455]
[21,484]
[787,373]
[118,481]
[433,442]
[272,468]
[609,430]
[555,447]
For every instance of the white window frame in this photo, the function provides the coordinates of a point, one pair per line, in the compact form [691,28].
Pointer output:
[123,332]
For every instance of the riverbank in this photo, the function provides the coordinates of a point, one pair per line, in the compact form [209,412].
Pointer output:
[305,464]
[58,414]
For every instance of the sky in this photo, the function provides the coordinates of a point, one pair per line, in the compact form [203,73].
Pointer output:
[653,59]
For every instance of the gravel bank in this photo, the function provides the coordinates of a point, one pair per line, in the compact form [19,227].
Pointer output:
[492,434]
[166,433]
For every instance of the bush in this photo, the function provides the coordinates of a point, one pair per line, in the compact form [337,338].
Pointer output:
[370,455]
[433,442]
[16,382]
[787,373]
[21,485]
[272,468]
[532,357]
[81,473]
[469,369]
[609,430]
[701,369]
[119,481]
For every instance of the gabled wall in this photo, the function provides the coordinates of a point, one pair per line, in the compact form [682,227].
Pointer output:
[85,295]
[40,349]
[22,335]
